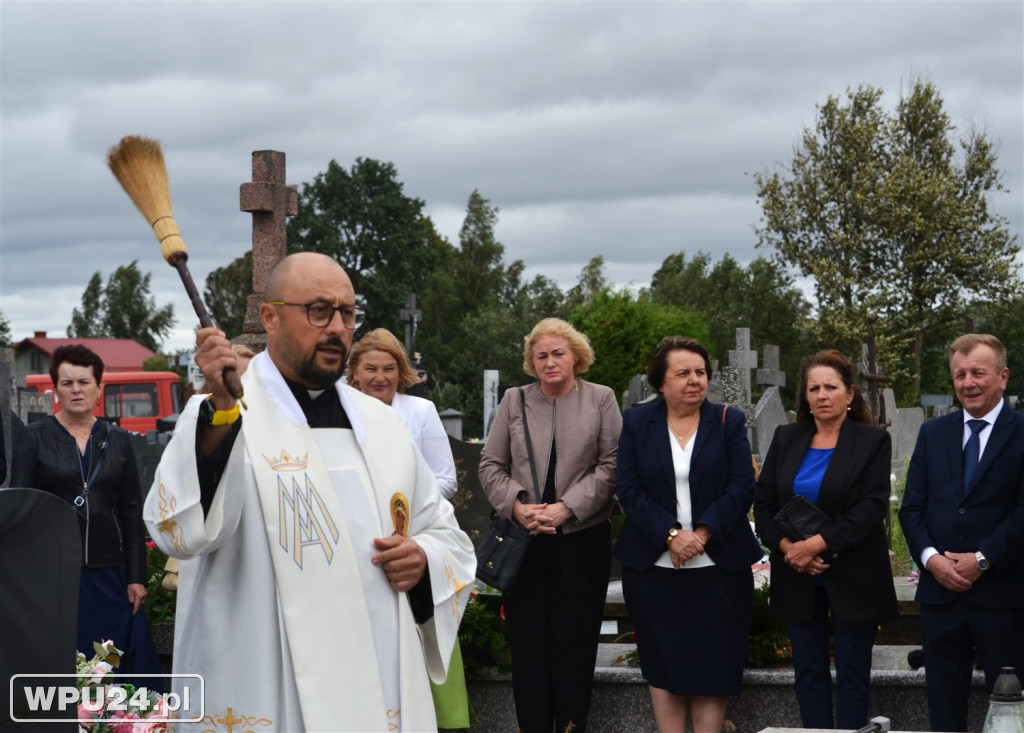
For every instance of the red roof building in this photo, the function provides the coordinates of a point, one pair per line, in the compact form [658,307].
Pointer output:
[118,355]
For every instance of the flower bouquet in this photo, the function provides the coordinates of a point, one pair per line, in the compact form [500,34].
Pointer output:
[116,708]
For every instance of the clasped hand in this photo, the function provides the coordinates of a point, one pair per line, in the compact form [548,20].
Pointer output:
[805,556]
[541,518]
[685,546]
[955,570]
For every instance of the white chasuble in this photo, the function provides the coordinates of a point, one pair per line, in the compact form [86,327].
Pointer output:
[282,613]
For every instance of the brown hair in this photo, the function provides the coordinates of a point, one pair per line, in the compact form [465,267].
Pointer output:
[658,364]
[381,339]
[78,355]
[847,373]
[582,352]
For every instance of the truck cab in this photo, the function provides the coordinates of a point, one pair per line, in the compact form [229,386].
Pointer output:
[135,400]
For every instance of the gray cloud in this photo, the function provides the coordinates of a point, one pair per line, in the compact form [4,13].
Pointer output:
[626,130]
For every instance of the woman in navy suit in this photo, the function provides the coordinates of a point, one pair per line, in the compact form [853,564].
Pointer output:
[838,460]
[686,482]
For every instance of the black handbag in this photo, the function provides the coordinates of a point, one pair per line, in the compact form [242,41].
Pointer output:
[500,554]
[799,519]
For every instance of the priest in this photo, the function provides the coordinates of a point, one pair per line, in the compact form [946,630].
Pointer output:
[328,574]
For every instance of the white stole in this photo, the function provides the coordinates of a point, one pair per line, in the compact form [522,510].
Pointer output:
[318,582]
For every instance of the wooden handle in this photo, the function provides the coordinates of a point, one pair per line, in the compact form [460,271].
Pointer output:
[179,260]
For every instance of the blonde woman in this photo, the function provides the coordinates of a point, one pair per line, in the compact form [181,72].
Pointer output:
[564,495]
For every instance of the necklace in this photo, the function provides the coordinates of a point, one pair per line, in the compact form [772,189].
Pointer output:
[689,430]
[78,433]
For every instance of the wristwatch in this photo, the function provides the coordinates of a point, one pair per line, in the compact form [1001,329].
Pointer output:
[982,561]
[212,417]
[671,536]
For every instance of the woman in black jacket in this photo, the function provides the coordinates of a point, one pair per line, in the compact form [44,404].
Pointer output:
[834,457]
[91,465]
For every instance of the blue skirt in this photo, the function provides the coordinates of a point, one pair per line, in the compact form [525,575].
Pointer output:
[691,627]
[105,613]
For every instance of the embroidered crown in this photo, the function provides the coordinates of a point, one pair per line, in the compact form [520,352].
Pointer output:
[286,462]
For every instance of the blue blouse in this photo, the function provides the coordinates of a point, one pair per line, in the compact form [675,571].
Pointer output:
[808,478]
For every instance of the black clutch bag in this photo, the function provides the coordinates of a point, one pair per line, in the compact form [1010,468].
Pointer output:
[800,519]
[501,553]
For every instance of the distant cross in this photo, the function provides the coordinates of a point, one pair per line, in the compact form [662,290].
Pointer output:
[771,375]
[869,373]
[270,201]
[410,317]
[744,359]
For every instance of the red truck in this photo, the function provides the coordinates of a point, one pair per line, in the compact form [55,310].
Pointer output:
[137,399]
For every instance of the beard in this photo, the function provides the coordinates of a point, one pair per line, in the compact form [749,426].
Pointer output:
[316,377]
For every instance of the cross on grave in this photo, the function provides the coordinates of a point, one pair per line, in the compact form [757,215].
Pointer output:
[743,359]
[771,375]
[410,316]
[270,201]
[869,373]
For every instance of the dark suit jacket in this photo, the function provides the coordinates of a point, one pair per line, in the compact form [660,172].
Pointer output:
[855,495]
[990,518]
[721,486]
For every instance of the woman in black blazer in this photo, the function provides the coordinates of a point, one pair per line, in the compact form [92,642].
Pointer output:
[685,481]
[836,458]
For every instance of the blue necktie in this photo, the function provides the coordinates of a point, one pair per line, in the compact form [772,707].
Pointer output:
[972,451]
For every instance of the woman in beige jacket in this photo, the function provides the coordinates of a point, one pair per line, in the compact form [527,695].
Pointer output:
[564,496]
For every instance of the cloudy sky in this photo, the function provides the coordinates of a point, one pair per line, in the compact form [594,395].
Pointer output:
[627,130]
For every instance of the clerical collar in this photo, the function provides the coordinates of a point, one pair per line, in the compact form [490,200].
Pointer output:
[322,411]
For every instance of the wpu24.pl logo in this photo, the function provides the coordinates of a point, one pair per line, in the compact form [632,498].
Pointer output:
[49,698]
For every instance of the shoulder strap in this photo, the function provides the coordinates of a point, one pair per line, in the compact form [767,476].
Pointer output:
[529,444]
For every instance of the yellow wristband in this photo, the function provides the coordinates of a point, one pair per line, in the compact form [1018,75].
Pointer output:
[225,417]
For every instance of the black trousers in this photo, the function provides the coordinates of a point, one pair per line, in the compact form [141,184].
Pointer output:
[554,617]
[952,634]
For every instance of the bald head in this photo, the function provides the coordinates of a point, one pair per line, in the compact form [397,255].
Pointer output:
[295,267]
[313,356]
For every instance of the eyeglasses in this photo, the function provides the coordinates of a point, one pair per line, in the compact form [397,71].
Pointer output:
[319,313]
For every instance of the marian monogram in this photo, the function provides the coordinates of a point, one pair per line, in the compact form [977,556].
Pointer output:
[304,521]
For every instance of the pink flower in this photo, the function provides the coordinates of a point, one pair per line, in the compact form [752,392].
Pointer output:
[86,717]
[98,671]
[122,722]
[159,708]
[150,544]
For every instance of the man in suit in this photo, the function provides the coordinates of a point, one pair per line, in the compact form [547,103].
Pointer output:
[963,517]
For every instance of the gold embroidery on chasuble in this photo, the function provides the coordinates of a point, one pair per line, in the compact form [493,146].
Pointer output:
[394,719]
[303,519]
[229,721]
[168,526]
[454,584]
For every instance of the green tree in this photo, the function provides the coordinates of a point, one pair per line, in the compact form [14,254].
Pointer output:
[589,284]
[624,329]
[88,321]
[5,331]
[379,235]
[894,228]
[728,296]
[476,311]
[123,309]
[227,294]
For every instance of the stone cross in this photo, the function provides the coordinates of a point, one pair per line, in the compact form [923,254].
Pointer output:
[410,316]
[743,359]
[270,201]
[869,373]
[771,375]
[490,398]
